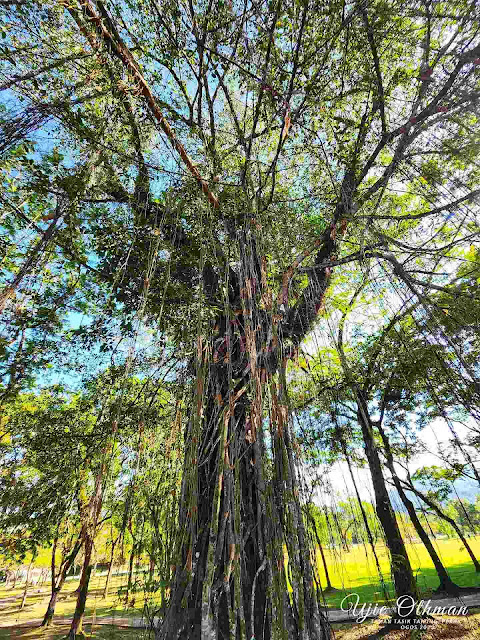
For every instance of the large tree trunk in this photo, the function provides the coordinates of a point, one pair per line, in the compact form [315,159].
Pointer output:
[191,622]
[239,506]
[402,573]
[230,580]
[58,585]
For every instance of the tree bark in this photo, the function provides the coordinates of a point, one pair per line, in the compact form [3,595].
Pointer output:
[443,515]
[402,573]
[110,568]
[24,598]
[57,585]
[76,627]
[229,591]
[446,584]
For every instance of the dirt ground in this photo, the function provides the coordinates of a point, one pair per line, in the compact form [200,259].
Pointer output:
[441,628]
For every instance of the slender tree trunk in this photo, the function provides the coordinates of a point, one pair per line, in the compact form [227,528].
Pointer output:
[57,585]
[325,567]
[402,573]
[110,568]
[446,584]
[151,569]
[130,571]
[24,598]
[53,569]
[451,522]
[322,554]
[53,574]
[90,514]
[107,583]
[362,509]
[77,621]
[465,512]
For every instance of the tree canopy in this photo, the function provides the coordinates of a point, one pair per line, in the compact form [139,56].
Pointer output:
[217,217]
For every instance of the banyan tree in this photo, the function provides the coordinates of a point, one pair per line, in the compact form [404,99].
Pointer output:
[225,162]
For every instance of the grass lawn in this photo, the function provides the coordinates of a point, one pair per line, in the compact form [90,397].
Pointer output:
[356,572]
[55,633]
[350,572]
[114,606]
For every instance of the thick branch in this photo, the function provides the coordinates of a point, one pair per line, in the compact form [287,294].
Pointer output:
[121,51]
[380,99]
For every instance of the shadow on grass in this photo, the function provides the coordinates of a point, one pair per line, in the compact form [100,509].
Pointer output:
[59,632]
[371,592]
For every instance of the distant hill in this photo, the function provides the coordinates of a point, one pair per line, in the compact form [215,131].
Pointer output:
[466,489]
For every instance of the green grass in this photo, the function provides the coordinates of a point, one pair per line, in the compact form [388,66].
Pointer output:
[355,571]
[352,572]
[59,631]
[36,603]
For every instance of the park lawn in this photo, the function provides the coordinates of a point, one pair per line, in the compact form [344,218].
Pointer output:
[355,571]
[36,603]
[57,632]
[350,572]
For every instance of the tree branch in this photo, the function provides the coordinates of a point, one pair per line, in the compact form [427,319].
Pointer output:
[121,51]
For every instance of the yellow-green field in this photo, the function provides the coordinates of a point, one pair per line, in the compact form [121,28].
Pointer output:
[354,571]
[59,631]
[113,606]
